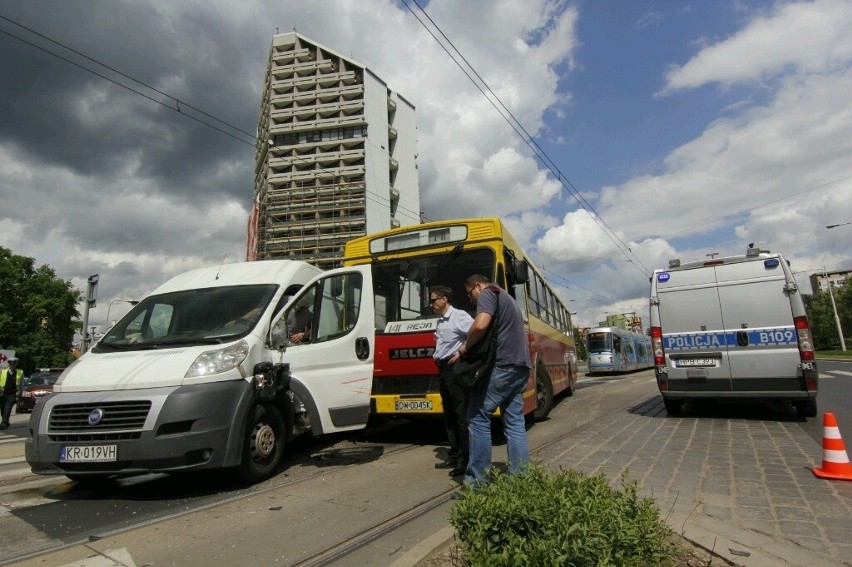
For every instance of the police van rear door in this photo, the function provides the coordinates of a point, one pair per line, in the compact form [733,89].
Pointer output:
[693,331]
[756,311]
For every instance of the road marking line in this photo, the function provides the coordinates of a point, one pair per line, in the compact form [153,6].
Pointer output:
[109,558]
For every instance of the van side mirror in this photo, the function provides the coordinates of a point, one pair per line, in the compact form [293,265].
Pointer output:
[278,335]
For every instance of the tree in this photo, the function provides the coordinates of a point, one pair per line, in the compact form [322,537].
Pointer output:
[821,316]
[38,312]
[580,344]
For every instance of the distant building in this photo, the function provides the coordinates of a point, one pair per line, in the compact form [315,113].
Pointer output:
[821,280]
[627,321]
[336,155]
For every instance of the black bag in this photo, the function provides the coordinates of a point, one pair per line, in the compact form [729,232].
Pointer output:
[472,371]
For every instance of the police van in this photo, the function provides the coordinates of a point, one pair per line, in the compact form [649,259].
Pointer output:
[732,328]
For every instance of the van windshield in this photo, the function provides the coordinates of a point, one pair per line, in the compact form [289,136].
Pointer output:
[189,317]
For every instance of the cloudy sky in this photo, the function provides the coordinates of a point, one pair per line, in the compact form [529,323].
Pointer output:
[668,129]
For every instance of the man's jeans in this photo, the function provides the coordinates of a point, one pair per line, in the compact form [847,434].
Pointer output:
[505,390]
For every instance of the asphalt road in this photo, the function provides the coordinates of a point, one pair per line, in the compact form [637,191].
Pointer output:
[835,395]
[38,512]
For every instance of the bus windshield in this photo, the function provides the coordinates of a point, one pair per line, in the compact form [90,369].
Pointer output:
[402,285]
[599,342]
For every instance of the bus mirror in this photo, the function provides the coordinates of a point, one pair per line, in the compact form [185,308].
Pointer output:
[521,271]
[412,271]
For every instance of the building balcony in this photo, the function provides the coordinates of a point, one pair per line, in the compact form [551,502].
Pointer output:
[288,55]
[301,160]
[315,96]
[311,111]
[332,173]
[302,68]
[318,124]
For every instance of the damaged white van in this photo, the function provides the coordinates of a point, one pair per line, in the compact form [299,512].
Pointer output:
[204,373]
[732,328]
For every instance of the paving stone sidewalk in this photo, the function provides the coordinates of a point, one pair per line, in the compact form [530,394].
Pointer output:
[742,487]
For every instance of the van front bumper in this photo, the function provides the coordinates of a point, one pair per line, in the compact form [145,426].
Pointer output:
[140,431]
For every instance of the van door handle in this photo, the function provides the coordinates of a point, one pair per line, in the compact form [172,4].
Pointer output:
[742,338]
[362,348]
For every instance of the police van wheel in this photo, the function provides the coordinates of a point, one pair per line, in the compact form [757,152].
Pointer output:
[673,407]
[543,394]
[807,408]
[263,447]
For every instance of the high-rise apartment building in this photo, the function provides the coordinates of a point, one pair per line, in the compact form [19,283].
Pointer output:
[336,156]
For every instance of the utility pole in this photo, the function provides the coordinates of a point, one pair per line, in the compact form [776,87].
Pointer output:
[91,301]
[834,308]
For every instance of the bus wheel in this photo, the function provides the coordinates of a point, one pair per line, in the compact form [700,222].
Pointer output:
[543,394]
[263,447]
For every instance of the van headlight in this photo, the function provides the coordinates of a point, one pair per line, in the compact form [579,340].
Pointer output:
[217,361]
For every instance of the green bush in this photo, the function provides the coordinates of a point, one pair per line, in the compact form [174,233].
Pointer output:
[541,518]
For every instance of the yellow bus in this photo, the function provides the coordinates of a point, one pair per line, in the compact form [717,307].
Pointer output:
[406,262]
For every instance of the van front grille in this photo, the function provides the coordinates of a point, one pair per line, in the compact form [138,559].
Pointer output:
[116,416]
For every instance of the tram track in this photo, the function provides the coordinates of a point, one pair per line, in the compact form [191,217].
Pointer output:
[326,458]
[337,552]
[330,462]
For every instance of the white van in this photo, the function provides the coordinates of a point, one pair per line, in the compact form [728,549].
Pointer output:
[732,328]
[201,374]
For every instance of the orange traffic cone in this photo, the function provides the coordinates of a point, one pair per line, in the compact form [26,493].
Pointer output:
[835,460]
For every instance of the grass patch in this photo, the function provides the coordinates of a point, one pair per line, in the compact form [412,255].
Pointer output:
[847,354]
[540,517]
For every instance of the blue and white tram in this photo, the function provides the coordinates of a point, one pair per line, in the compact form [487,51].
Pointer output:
[613,349]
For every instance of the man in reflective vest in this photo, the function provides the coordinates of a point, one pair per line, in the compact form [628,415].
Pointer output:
[10,381]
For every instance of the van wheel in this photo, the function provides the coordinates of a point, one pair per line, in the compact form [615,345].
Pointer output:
[807,408]
[543,394]
[673,407]
[263,446]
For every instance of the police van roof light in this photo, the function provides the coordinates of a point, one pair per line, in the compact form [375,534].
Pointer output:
[757,248]
[674,263]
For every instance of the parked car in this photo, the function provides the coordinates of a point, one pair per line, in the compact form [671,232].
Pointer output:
[35,386]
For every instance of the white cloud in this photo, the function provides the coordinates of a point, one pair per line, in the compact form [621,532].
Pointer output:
[808,36]
[761,162]
[136,192]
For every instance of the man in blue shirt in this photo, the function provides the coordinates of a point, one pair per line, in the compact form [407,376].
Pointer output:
[450,334]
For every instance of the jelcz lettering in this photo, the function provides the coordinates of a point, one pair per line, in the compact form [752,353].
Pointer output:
[409,353]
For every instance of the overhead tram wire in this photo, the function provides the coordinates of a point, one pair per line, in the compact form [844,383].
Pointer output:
[177,101]
[131,89]
[579,289]
[415,215]
[526,137]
